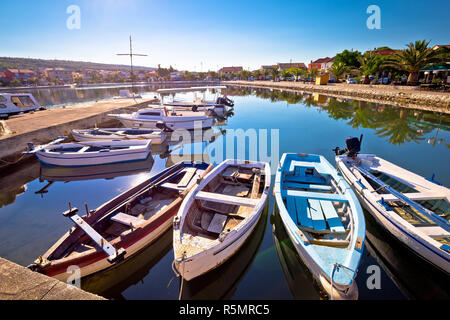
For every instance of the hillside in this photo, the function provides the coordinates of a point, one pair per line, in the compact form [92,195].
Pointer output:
[33,64]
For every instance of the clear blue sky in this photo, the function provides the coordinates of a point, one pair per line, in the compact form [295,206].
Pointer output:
[206,34]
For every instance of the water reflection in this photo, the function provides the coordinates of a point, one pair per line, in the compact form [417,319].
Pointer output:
[222,282]
[414,278]
[398,125]
[111,283]
[300,281]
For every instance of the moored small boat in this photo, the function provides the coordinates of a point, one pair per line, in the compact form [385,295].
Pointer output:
[218,215]
[413,209]
[157,117]
[100,134]
[121,227]
[323,219]
[90,153]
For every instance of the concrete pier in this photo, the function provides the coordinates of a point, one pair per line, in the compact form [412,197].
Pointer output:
[44,126]
[19,283]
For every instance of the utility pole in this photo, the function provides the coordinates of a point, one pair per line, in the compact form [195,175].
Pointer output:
[131,54]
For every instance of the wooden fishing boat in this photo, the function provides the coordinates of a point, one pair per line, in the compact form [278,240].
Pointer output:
[121,227]
[157,117]
[218,215]
[323,219]
[106,171]
[90,153]
[100,134]
[222,282]
[413,209]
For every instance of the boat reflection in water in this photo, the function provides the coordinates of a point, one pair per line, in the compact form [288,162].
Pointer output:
[111,283]
[300,281]
[107,171]
[413,277]
[221,283]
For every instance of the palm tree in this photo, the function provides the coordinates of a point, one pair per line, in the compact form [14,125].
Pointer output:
[414,58]
[338,69]
[275,73]
[312,73]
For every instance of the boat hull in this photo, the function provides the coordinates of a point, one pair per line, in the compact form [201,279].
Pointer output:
[174,125]
[215,257]
[397,228]
[82,136]
[315,260]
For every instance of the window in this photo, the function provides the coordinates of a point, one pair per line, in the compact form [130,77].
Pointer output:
[151,114]
[3,106]
[23,101]
[2,99]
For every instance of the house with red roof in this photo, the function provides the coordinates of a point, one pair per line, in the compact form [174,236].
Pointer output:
[22,75]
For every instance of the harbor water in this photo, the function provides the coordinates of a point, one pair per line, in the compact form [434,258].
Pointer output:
[33,196]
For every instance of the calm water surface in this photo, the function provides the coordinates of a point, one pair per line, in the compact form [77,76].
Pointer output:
[33,197]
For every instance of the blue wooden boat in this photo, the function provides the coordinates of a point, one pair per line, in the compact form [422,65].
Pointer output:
[323,219]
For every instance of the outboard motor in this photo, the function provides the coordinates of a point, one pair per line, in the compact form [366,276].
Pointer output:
[226,101]
[353,147]
[162,126]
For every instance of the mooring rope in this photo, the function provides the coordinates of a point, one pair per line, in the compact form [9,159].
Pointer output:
[337,266]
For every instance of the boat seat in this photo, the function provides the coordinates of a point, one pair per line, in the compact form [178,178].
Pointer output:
[299,167]
[304,179]
[333,220]
[127,219]
[216,197]
[297,185]
[315,195]
[189,174]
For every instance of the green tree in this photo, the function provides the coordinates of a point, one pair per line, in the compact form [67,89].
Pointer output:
[349,58]
[275,73]
[338,69]
[414,58]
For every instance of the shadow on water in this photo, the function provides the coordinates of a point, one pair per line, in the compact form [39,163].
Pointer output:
[415,278]
[111,283]
[221,283]
[300,281]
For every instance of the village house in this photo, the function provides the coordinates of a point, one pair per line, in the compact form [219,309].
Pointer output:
[60,74]
[22,75]
[229,70]
[318,63]
[286,66]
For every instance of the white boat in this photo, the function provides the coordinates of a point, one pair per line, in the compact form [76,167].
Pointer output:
[16,103]
[218,215]
[323,219]
[125,94]
[101,134]
[218,106]
[413,209]
[157,117]
[90,153]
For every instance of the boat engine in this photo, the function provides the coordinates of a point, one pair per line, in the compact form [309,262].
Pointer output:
[226,101]
[162,126]
[353,147]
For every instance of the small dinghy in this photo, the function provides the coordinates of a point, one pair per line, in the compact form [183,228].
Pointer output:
[323,219]
[157,117]
[413,209]
[218,215]
[97,134]
[123,226]
[90,153]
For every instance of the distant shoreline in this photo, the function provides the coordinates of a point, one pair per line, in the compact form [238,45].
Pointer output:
[406,97]
[105,84]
